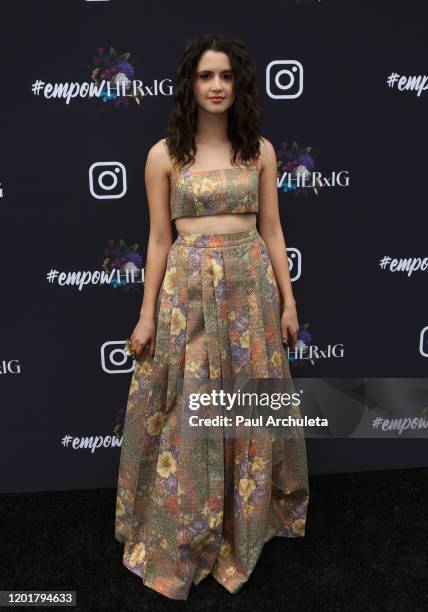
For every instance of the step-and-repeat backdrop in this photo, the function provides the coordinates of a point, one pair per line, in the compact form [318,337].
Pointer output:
[87,89]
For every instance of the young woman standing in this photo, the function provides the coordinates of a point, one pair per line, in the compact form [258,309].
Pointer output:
[218,306]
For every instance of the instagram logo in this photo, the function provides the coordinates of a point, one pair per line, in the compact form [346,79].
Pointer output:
[423,342]
[107,180]
[294,263]
[284,79]
[114,359]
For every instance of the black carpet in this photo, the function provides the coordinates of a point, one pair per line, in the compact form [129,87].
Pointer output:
[365,548]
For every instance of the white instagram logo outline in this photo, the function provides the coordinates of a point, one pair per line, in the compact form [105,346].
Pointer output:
[421,342]
[297,264]
[125,357]
[101,177]
[295,65]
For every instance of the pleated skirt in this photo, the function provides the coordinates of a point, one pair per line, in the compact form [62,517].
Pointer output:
[192,505]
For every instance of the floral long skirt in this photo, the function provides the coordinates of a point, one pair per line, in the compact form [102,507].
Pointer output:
[190,504]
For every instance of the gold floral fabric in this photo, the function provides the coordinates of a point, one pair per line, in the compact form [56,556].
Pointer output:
[188,506]
[214,192]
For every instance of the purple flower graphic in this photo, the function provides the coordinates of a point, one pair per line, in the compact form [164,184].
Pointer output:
[125,259]
[134,257]
[298,354]
[126,68]
[116,71]
[298,164]
[306,160]
[304,336]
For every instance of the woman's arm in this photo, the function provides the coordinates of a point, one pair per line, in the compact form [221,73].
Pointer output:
[160,238]
[269,222]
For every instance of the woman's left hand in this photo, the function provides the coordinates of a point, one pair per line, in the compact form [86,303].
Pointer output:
[289,325]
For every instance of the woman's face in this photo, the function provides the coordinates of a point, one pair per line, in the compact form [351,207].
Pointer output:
[214,78]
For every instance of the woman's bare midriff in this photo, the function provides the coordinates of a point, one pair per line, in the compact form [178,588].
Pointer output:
[216,224]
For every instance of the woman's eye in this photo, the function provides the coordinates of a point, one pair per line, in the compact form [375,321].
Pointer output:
[226,76]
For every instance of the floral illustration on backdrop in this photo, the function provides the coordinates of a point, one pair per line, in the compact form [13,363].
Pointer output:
[123,260]
[299,166]
[299,354]
[114,69]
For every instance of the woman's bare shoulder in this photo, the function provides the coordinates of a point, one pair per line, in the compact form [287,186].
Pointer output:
[160,148]
[266,146]
[158,157]
[267,152]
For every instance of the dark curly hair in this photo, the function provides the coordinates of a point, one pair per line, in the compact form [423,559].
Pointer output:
[243,116]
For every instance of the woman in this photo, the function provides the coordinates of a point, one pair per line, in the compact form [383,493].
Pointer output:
[217,306]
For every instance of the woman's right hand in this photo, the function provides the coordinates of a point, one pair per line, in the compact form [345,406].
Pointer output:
[143,338]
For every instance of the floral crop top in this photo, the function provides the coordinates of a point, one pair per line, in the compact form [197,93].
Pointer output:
[214,192]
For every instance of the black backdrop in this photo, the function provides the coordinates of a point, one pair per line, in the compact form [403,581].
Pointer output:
[53,383]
